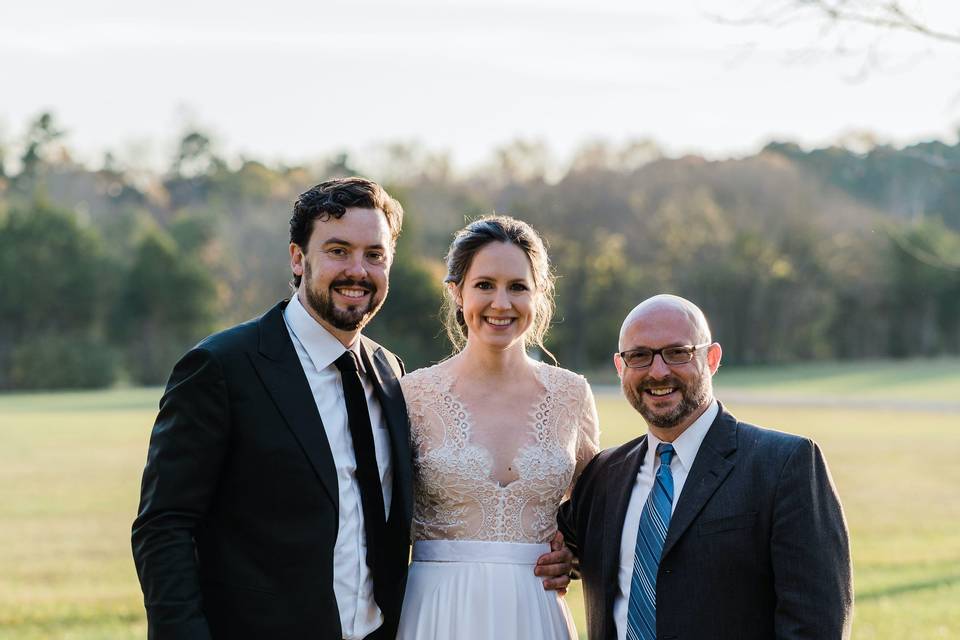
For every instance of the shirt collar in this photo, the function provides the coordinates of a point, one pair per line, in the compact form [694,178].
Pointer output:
[687,443]
[321,346]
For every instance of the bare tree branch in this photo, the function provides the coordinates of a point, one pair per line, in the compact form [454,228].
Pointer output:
[886,15]
[874,13]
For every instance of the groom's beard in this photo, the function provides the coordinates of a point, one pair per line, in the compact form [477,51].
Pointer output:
[352,317]
[692,397]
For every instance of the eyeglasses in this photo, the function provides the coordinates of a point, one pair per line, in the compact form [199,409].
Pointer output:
[642,358]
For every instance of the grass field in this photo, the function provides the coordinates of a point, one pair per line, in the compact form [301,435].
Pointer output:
[70,465]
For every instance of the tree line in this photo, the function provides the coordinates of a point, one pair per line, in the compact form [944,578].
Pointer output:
[109,274]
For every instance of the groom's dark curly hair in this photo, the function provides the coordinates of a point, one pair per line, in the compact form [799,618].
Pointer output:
[332,199]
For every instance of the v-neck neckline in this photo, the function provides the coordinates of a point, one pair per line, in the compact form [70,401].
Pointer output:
[531,424]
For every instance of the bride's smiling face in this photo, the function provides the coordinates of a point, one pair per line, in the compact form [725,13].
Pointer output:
[498,296]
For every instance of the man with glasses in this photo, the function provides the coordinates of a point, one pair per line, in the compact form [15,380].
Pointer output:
[704,527]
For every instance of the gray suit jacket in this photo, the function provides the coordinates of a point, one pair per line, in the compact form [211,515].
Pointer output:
[757,546]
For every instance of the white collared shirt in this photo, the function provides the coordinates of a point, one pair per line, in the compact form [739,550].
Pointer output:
[352,583]
[685,449]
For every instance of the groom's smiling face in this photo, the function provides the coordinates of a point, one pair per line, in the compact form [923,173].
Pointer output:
[345,269]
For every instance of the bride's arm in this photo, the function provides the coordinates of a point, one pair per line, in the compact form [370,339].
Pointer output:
[588,434]
[561,562]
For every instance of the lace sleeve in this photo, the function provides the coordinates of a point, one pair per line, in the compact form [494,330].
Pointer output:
[413,396]
[588,431]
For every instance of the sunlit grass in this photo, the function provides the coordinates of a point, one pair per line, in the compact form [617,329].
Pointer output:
[69,484]
[70,469]
[913,380]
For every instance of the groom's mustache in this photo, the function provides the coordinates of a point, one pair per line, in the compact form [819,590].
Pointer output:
[356,284]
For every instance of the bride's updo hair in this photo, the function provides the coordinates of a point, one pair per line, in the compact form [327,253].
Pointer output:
[468,242]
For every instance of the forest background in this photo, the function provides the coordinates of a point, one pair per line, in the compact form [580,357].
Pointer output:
[108,274]
[112,267]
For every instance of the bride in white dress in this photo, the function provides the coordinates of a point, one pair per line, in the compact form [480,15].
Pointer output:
[498,440]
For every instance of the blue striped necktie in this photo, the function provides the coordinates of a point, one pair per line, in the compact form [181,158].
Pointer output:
[654,522]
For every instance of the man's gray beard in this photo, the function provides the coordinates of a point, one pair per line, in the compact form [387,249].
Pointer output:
[692,398]
[349,319]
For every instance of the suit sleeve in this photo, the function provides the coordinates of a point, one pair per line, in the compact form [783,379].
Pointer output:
[566,522]
[810,551]
[184,459]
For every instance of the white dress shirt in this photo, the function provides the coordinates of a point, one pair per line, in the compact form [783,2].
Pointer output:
[685,449]
[352,583]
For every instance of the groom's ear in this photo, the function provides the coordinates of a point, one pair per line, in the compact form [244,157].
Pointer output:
[296,259]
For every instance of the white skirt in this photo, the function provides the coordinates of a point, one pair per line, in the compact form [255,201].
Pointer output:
[474,590]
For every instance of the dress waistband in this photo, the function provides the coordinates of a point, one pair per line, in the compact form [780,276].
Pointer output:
[478,551]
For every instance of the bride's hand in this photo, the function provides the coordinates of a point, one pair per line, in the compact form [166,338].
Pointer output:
[555,566]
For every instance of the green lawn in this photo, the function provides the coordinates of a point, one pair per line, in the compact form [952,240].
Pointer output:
[70,465]
[901,380]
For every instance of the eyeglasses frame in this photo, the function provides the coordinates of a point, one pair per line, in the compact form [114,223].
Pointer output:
[655,352]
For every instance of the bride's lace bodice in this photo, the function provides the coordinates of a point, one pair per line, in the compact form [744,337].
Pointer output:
[456,495]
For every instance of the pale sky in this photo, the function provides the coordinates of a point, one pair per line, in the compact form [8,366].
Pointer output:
[295,80]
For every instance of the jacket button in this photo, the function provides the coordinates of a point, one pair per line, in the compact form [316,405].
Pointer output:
[668,571]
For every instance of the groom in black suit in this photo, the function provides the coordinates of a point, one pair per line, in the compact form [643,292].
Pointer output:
[705,527]
[276,497]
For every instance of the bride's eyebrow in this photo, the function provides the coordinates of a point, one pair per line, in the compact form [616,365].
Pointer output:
[479,279]
[486,277]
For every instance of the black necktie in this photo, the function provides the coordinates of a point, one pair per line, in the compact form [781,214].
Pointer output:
[368,473]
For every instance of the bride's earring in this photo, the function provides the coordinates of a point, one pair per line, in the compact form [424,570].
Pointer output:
[460,320]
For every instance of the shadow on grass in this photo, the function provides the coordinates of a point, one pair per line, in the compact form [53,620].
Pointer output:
[910,587]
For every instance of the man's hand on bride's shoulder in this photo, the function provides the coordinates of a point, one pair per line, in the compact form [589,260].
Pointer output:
[555,566]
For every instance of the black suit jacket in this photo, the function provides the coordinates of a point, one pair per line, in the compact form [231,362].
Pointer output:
[757,546]
[238,510]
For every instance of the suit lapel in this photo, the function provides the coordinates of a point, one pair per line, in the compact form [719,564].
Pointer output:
[282,374]
[621,477]
[387,388]
[711,467]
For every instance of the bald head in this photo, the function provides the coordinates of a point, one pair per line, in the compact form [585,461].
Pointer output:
[667,305]
[674,358]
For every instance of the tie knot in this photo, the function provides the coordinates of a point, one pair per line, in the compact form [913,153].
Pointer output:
[665,451]
[346,362]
